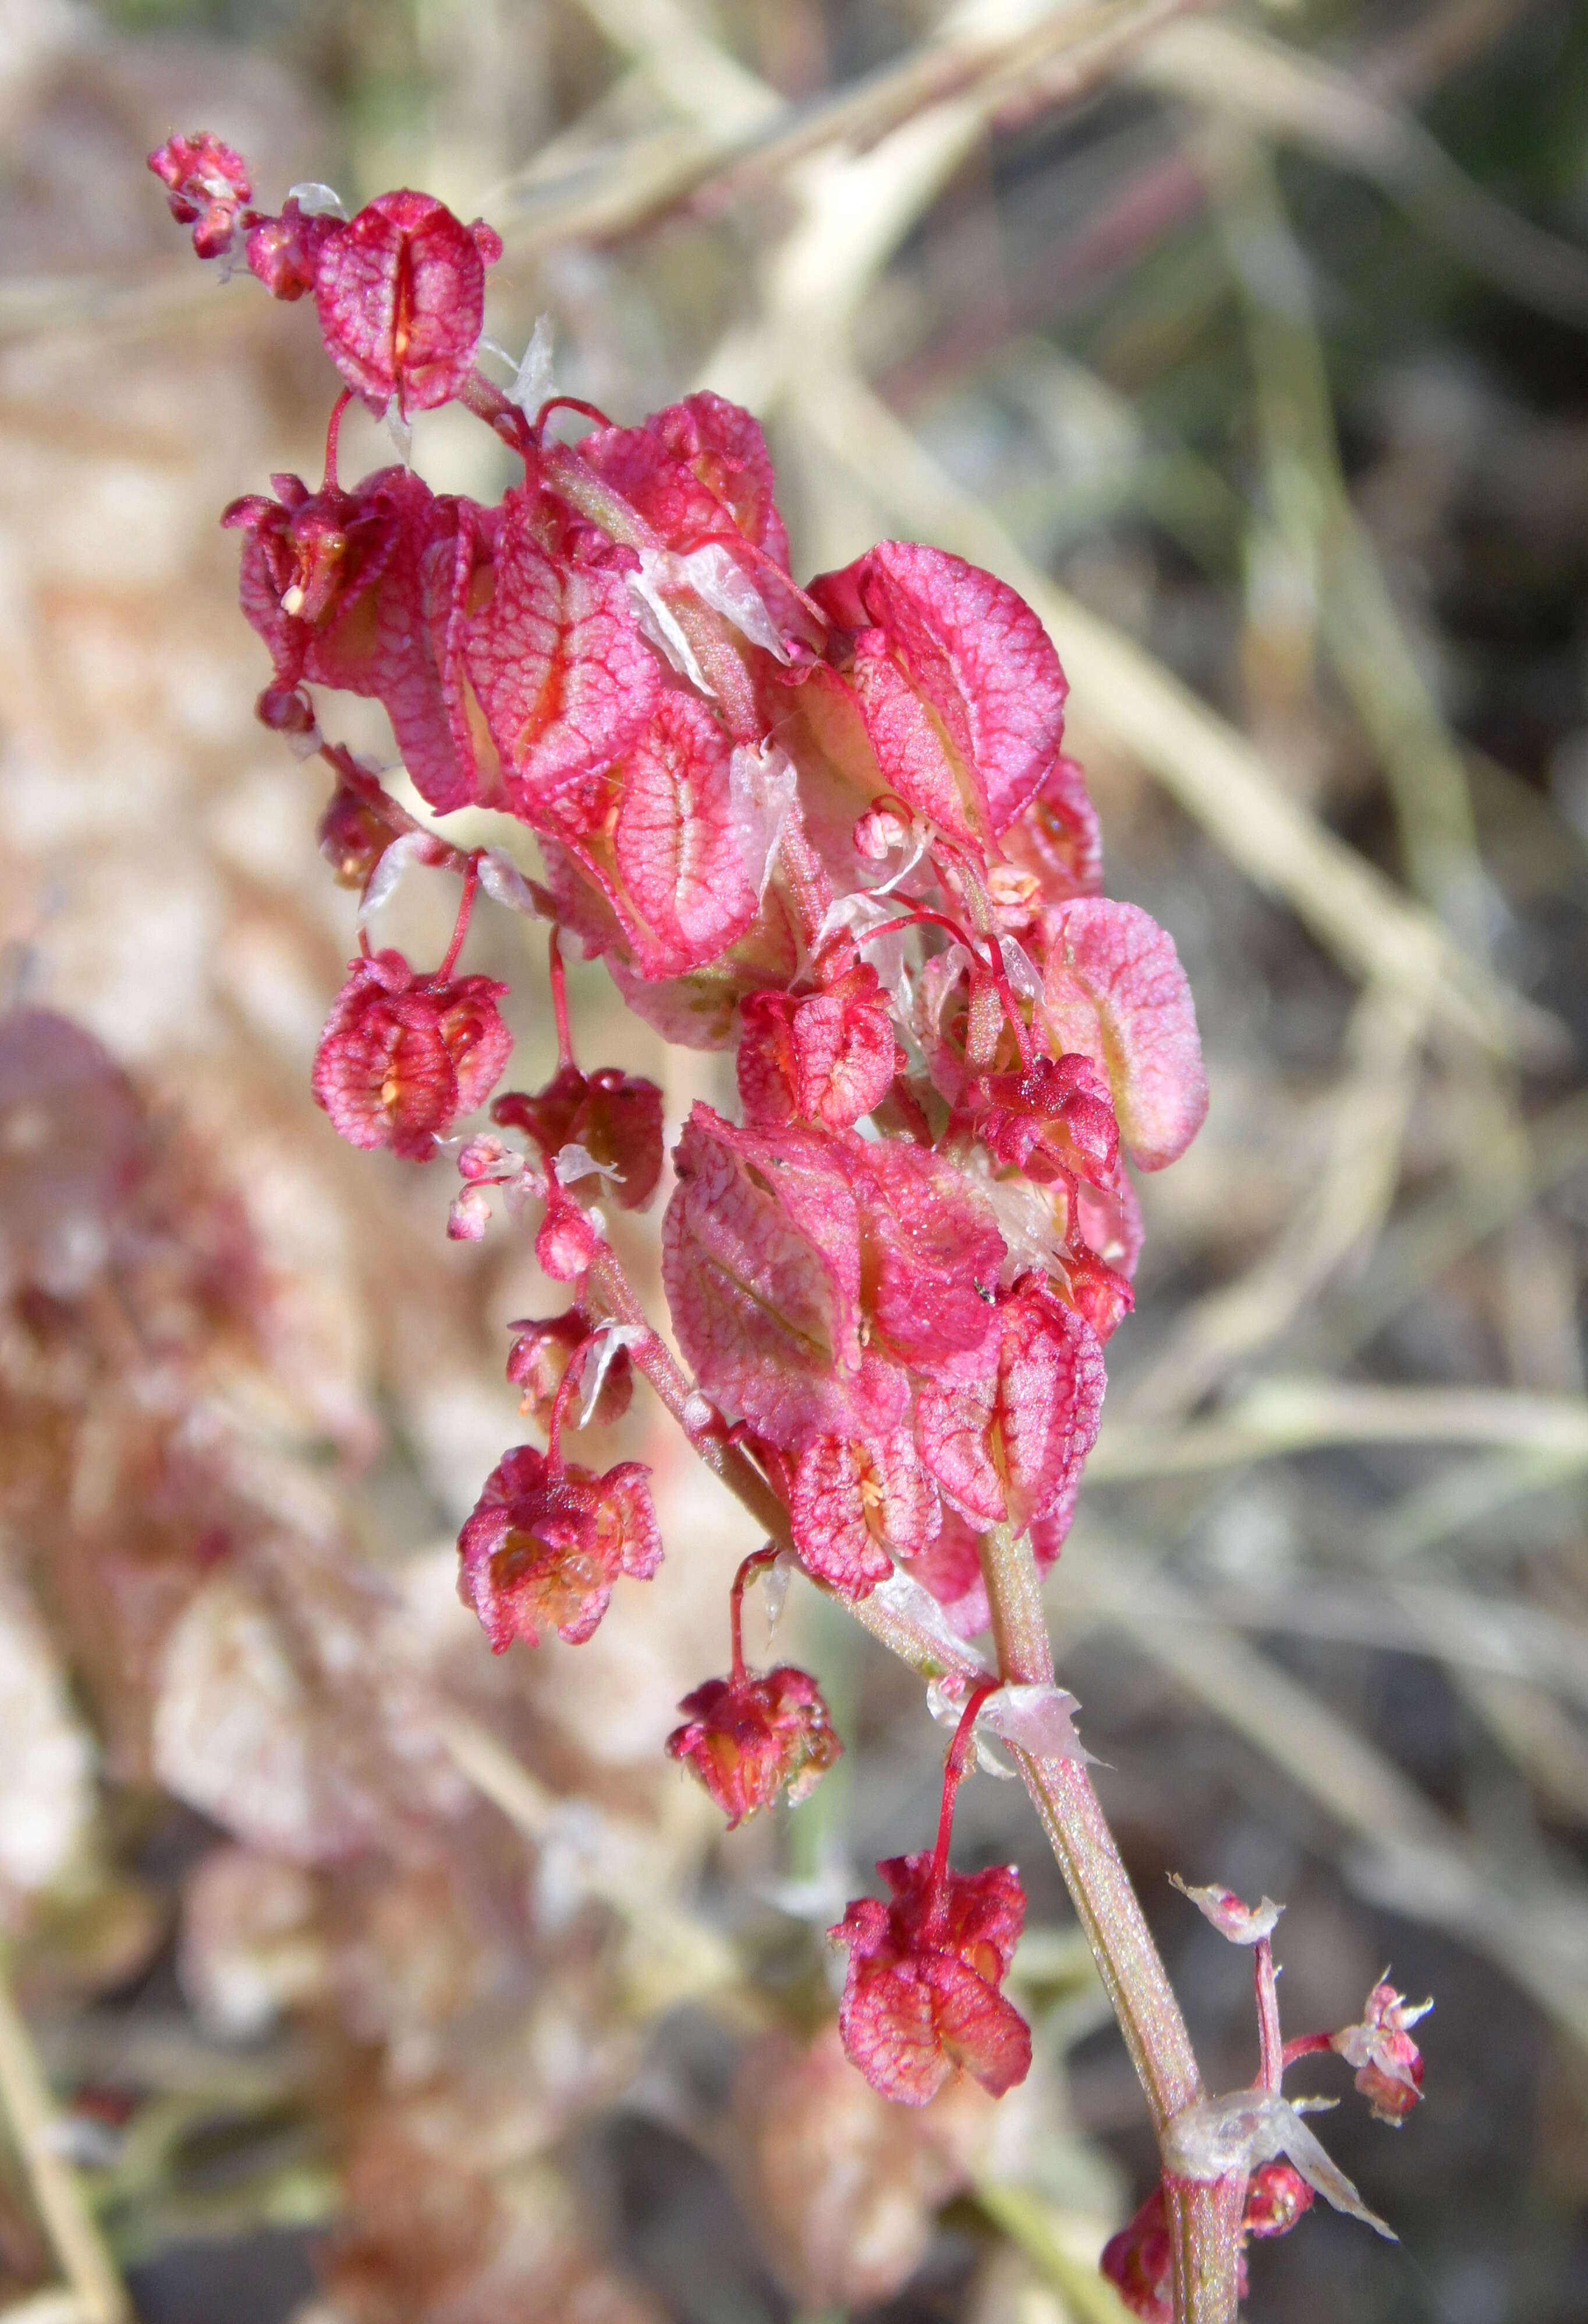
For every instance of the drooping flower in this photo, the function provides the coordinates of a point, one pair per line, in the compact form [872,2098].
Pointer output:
[547,1541]
[922,1996]
[400,292]
[369,591]
[208,186]
[750,1739]
[403,1056]
[1389,2063]
[921,2000]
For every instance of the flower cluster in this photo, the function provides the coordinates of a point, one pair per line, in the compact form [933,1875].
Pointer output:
[830,828]
[1256,2139]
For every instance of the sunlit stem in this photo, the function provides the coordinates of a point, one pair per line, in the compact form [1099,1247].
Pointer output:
[30,2114]
[565,1046]
[758,1560]
[1206,2248]
[466,912]
[333,436]
[959,1752]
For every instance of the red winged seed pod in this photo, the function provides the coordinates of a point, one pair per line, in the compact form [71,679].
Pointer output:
[404,1057]
[400,292]
[922,2000]
[547,1543]
[748,1739]
[833,829]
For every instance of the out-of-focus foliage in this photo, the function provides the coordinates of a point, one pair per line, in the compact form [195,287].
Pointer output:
[1250,347]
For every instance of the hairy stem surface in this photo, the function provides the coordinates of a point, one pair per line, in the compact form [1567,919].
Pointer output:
[1206,2242]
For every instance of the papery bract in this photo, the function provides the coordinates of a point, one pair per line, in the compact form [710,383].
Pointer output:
[1242,1923]
[1115,988]
[749,1738]
[547,1543]
[400,292]
[922,1995]
[402,1056]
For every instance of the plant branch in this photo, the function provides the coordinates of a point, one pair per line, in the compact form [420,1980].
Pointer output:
[31,2113]
[1132,1972]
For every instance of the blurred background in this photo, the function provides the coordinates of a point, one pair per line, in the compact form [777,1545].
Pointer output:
[354,1978]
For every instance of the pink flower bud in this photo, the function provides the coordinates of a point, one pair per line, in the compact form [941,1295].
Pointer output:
[401,290]
[402,1056]
[207,186]
[1276,2196]
[1389,2063]
[749,1738]
[547,1543]
[569,1243]
[468,1215]
[879,834]
[922,1998]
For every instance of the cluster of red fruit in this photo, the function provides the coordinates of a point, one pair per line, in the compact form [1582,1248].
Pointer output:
[828,826]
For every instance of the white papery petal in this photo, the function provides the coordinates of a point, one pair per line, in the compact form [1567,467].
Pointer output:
[762,782]
[506,884]
[610,1337]
[1226,2134]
